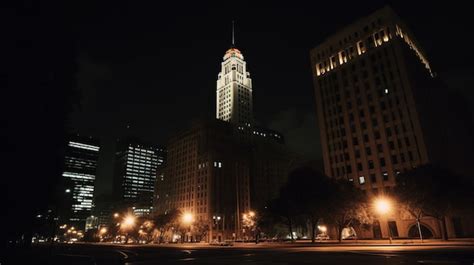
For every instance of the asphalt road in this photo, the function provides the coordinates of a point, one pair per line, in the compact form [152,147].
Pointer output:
[249,254]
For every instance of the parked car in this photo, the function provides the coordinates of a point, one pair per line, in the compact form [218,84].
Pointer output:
[322,237]
[222,243]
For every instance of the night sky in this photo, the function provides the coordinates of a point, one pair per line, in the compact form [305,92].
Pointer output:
[155,67]
[96,68]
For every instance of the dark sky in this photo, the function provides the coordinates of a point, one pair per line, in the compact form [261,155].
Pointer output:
[155,67]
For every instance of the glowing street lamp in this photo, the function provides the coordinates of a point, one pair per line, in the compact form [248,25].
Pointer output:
[187,218]
[103,230]
[116,215]
[322,228]
[129,221]
[384,206]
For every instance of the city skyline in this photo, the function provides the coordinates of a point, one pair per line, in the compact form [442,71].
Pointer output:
[330,128]
[136,82]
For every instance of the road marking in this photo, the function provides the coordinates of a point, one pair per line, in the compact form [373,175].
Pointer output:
[125,256]
[437,262]
[186,251]
[187,259]
[374,254]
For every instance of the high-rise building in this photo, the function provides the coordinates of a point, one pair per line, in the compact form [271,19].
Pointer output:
[135,174]
[378,105]
[234,89]
[220,169]
[80,164]
[217,169]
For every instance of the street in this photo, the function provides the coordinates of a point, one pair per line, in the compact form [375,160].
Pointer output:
[251,254]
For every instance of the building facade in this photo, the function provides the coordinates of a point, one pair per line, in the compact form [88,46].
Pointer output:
[80,166]
[221,170]
[135,174]
[376,98]
[234,89]
[218,171]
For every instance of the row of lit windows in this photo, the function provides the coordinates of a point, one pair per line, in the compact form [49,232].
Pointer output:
[343,56]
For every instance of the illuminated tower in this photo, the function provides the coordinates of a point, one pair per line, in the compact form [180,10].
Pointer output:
[80,165]
[234,88]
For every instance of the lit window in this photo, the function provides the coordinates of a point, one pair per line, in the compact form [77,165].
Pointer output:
[361,180]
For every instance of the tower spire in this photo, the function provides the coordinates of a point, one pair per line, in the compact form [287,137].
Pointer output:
[233,38]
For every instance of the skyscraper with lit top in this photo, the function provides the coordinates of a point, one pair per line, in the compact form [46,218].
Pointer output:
[234,89]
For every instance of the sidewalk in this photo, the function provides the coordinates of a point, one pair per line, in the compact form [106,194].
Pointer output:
[368,242]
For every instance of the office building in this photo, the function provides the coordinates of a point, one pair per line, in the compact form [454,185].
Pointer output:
[218,170]
[80,165]
[135,173]
[378,104]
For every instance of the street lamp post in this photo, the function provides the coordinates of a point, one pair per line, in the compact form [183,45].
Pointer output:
[383,206]
[216,221]
[188,219]
[127,224]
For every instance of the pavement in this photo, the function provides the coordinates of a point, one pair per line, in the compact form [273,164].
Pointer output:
[360,252]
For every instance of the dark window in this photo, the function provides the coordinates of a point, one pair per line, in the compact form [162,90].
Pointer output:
[359,166]
[371,164]
[410,155]
[388,131]
[355,141]
[357,153]
[385,176]
[407,141]
[372,178]
[368,151]
[393,228]
[348,169]
[374,122]
[377,135]
[379,148]
[394,159]
[392,145]
[366,138]
[382,162]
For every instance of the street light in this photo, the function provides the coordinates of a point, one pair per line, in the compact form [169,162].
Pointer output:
[116,215]
[129,221]
[384,206]
[103,230]
[187,218]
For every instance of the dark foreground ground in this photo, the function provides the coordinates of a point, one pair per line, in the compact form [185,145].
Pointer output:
[242,254]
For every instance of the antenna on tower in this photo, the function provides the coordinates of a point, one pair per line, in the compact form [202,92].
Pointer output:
[233,38]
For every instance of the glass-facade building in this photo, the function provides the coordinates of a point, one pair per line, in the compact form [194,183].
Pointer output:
[136,166]
[80,166]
